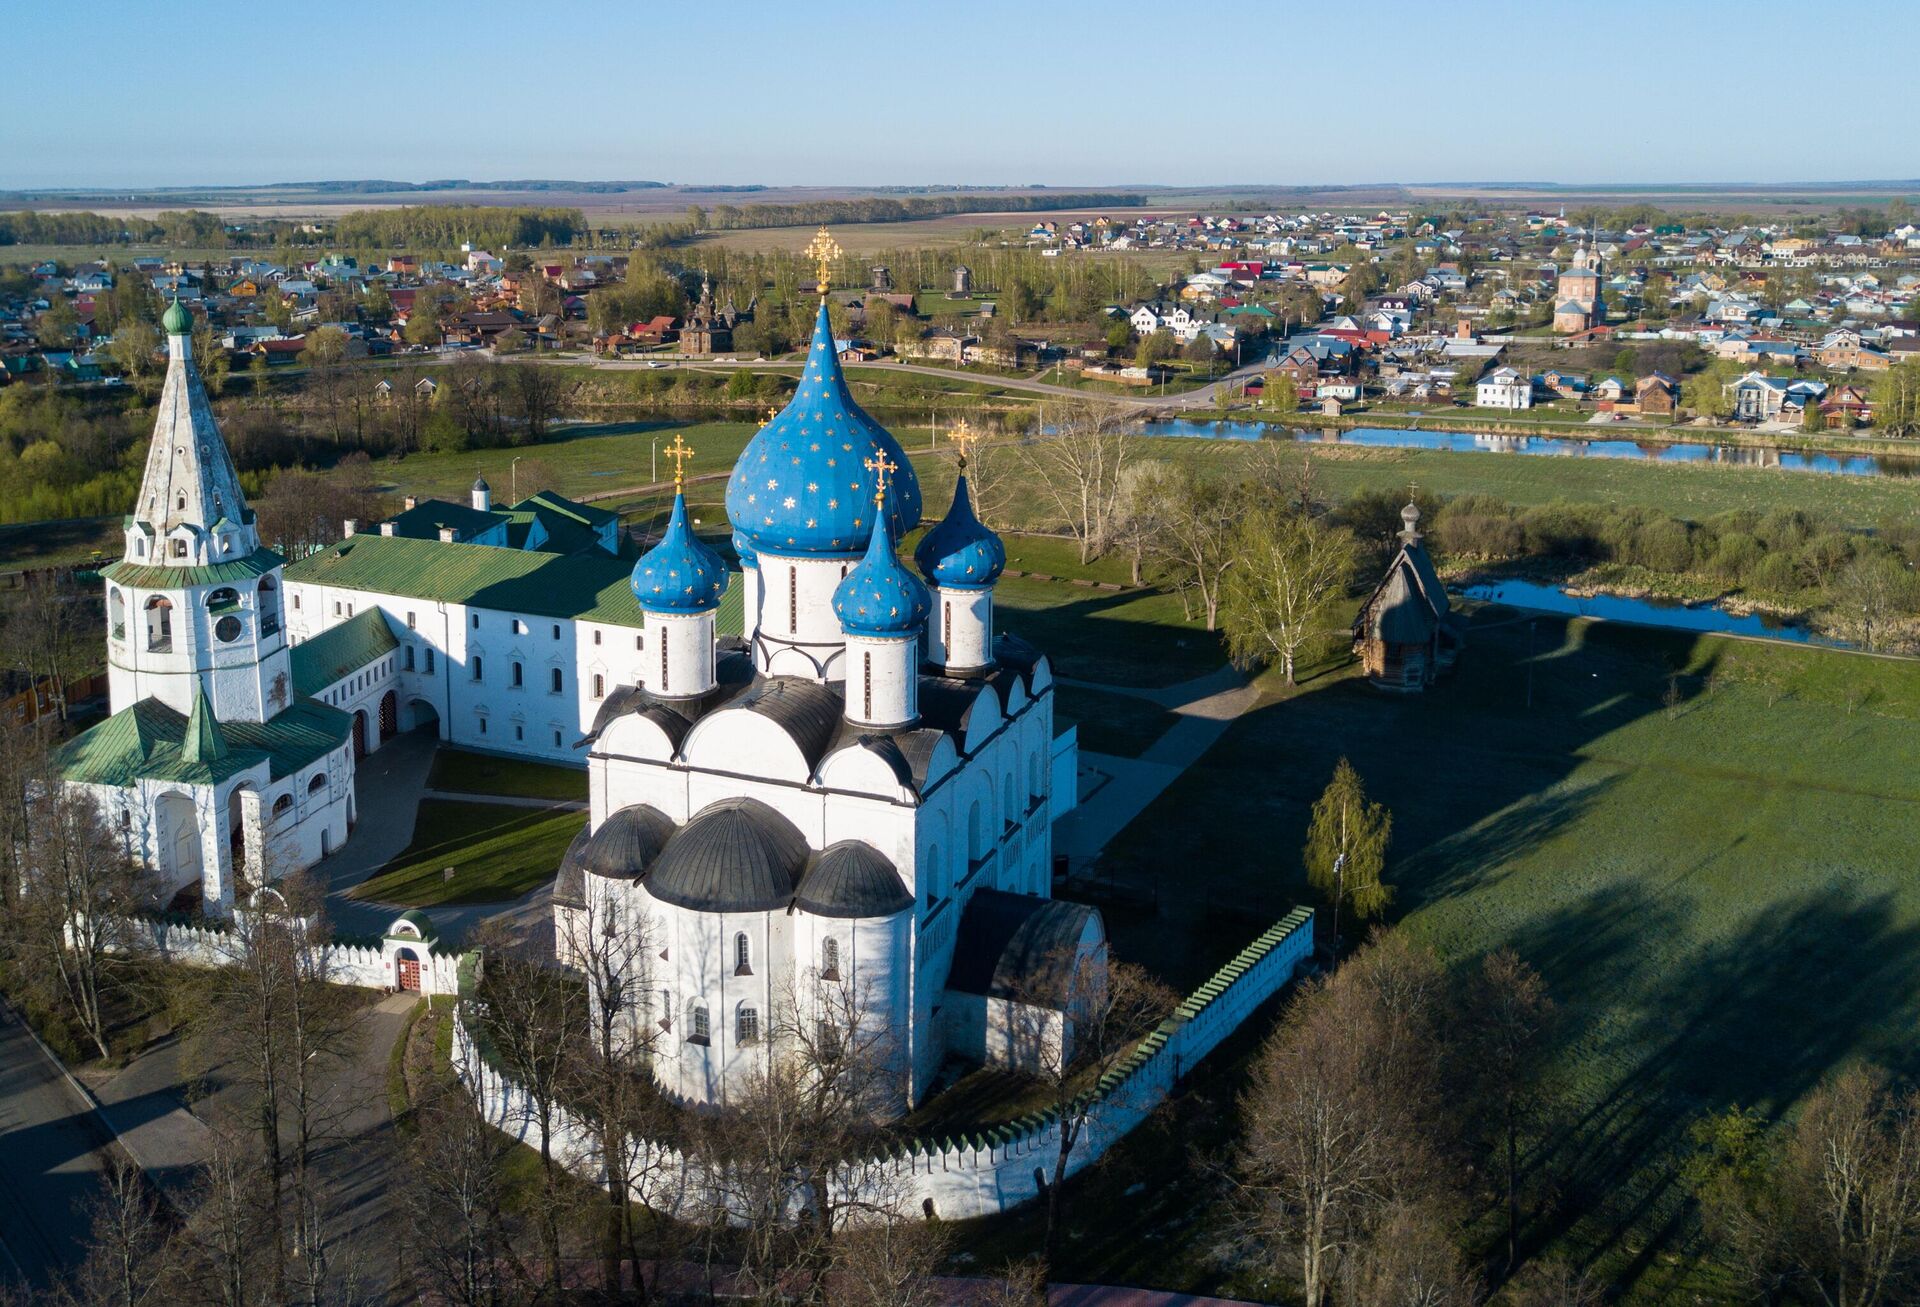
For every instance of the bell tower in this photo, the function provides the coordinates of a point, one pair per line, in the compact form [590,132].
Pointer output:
[194,605]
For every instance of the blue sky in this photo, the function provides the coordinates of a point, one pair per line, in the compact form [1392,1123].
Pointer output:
[124,93]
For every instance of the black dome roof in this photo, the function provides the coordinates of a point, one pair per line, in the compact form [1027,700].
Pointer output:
[737,855]
[626,843]
[853,879]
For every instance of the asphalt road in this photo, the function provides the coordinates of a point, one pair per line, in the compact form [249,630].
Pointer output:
[51,1146]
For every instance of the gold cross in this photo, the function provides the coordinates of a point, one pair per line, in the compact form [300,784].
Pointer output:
[964,438]
[881,466]
[679,451]
[772,413]
[823,251]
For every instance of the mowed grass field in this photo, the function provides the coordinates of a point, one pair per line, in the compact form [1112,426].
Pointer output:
[1717,883]
[497,852]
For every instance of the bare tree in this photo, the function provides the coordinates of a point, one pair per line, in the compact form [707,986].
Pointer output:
[889,1263]
[537,394]
[1075,1017]
[1508,1019]
[1136,521]
[613,942]
[1288,570]
[226,1232]
[303,512]
[1078,469]
[1194,541]
[74,927]
[1408,1258]
[1340,1117]
[23,777]
[50,636]
[459,1239]
[1833,1209]
[127,1244]
[532,1009]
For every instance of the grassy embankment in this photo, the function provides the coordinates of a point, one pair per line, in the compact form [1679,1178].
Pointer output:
[496,852]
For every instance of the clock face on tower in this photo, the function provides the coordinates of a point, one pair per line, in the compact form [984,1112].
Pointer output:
[227,629]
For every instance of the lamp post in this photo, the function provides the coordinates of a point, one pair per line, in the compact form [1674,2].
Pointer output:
[513,478]
[655,478]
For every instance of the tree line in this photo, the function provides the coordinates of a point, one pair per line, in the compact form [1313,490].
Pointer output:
[734,217]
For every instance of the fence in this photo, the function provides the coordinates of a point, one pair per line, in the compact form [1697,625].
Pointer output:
[363,964]
[967,1176]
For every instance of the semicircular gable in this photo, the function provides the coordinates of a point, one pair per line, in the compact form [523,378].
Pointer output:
[868,767]
[740,740]
[637,735]
[984,718]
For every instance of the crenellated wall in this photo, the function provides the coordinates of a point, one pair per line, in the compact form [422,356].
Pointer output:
[971,1175]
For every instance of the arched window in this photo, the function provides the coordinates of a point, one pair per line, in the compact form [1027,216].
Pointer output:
[519,675]
[318,783]
[742,955]
[409,657]
[282,804]
[117,612]
[930,874]
[976,833]
[478,668]
[180,500]
[267,599]
[1010,807]
[556,680]
[700,1032]
[830,958]
[159,624]
[746,1024]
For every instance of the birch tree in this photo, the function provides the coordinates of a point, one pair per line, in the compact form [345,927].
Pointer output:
[1288,571]
[1078,468]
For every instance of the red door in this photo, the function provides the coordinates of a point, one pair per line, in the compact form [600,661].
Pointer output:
[409,974]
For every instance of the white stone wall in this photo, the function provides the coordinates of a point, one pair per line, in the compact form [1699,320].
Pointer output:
[960,629]
[967,1178]
[489,711]
[883,680]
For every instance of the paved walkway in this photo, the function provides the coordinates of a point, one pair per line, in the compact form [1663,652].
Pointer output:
[1115,790]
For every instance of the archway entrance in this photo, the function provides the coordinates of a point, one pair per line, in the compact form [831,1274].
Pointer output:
[236,831]
[407,966]
[176,840]
[422,716]
[389,716]
[359,733]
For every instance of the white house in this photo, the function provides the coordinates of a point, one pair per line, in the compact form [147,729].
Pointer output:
[1504,388]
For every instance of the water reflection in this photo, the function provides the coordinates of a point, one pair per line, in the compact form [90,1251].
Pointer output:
[1831,463]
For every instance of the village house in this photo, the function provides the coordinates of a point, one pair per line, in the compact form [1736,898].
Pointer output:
[1504,388]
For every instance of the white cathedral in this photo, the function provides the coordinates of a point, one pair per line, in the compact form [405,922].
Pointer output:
[856,792]
[854,786]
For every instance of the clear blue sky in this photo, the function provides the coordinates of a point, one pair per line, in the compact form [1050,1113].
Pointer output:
[126,93]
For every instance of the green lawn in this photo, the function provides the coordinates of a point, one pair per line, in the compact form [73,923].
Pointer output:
[1135,639]
[1720,892]
[461,772]
[1111,723]
[498,852]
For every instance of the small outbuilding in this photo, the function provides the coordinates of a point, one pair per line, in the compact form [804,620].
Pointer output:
[1406,635]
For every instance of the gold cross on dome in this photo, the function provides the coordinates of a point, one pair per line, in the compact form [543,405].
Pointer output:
[823,250]
[679,451]
[772,413]
[882,467]
[964,438]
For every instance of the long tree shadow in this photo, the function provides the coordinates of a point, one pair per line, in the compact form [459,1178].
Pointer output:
[1755,1018]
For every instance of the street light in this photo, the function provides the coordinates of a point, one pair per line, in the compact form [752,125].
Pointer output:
[513,478]
[655,478]
[1339,892]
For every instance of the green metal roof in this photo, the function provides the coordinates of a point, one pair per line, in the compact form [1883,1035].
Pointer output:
[204,744]
[153,741]
[139,577]
[547,501]
[583,587]
[424,520]
[341,650]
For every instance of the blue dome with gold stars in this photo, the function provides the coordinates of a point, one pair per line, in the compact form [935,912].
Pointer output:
[680,574]
[960,553]
[801,486]
[880,597]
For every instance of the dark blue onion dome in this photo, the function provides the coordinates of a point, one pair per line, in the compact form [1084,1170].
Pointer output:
[801,486]
[680,574]
[879,597]
[960,553]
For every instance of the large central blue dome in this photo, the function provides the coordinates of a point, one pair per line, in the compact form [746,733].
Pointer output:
[801,486]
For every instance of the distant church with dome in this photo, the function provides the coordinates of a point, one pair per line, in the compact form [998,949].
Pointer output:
[857,791]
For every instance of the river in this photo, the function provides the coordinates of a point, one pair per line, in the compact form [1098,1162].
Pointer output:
[1665,614]
[1832,463]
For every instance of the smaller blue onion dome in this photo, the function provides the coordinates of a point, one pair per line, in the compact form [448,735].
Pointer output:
[960,553]
[744,548]
[680,574]
[879,597]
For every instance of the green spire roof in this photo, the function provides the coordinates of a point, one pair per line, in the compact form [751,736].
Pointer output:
[204,742]
[177,320]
